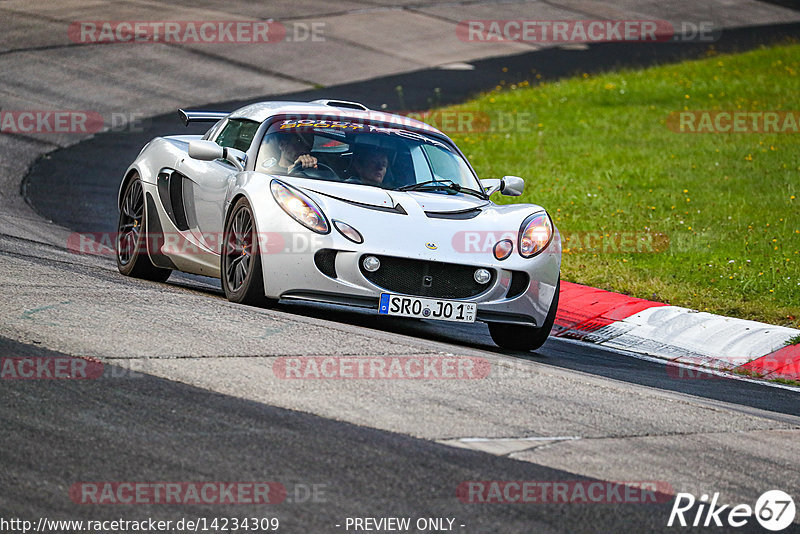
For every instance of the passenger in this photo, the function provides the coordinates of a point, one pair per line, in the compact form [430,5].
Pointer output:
[369,166]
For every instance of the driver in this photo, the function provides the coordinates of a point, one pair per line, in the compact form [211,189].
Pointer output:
[294,151]
[369,166]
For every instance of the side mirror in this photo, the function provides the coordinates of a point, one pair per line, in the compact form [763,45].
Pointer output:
[490,186]
[209,151]
[205,150]
[512,186]
[236,157]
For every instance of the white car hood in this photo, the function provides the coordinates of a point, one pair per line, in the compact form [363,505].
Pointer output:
[439,202]
[374,196]
[371,196]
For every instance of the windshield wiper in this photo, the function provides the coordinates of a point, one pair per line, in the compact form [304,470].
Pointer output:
[433,185]
[444,183]
[473,192]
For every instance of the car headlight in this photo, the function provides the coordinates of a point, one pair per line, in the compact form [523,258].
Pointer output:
[299,207]
[535,234]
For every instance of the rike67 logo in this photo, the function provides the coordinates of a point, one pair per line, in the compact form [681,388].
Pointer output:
[774,510]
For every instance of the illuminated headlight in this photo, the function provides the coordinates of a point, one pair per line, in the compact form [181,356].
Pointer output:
[503,249]
[371,264]
[535,234]
[349,232]
[482,276]
[299,207]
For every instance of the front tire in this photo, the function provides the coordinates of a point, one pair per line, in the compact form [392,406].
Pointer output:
[240,262]
[131,245]
[527,338]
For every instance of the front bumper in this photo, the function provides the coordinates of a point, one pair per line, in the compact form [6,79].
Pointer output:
[520,292]
[334,275]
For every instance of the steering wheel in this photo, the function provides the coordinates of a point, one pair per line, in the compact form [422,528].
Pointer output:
[312,172]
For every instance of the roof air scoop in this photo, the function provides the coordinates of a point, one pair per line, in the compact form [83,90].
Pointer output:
[341,104]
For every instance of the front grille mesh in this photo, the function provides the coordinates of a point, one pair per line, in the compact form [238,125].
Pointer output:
[519,284]
[427,278]
[325,260]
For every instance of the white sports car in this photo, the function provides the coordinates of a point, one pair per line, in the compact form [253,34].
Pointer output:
[331,202]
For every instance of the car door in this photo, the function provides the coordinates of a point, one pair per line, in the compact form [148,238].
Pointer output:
[207,183]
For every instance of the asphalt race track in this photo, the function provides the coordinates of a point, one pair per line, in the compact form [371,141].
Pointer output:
[84,176]
[188,392]
[178,432]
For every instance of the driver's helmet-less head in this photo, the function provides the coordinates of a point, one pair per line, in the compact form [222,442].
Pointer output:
[291,144]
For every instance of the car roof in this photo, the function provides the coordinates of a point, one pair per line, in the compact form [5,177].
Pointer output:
[263,110]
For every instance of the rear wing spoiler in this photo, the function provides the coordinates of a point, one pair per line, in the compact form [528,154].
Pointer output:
[201,116]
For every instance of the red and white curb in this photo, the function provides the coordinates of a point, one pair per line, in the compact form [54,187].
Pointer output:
[680,335]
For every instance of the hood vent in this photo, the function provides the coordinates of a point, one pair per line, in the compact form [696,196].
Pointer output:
[470,213]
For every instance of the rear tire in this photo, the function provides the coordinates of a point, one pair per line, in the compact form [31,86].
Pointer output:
[518,337]
[240,261]
[132,258]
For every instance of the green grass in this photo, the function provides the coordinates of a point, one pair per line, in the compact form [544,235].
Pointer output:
[598,154]
[786,381]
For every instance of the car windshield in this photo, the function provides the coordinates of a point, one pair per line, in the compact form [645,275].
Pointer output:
[358,153]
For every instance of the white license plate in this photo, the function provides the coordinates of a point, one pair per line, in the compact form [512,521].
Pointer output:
[443,310]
